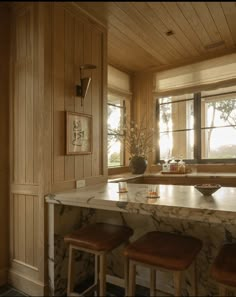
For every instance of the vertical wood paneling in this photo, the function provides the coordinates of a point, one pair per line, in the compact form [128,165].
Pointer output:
[142,88]
[22,227]
[29,102]
[59,94]
[36,232]
[104,71]
[49,44]
[37,146]
[4,136]
[47,21]
[21,29]
[75,43]
[25,147]
[96,102]
[88,99]
[15,138]
[79,52]
[69,84]
[23,99]
[15,227]
[29,230]
[25,229]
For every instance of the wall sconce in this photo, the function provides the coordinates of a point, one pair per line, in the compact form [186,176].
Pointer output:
[82,89]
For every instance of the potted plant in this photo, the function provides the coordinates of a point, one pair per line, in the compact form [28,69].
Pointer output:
[138,140]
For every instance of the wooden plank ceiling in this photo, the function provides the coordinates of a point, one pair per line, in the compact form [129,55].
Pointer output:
[145,36]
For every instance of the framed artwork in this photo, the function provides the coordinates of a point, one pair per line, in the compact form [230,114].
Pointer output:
[78,133]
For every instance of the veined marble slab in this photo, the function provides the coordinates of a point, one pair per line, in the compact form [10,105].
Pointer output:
[180,210]
[174,201]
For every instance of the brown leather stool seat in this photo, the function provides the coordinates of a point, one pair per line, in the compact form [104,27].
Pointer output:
[98,239]
[224,267]
[163,250]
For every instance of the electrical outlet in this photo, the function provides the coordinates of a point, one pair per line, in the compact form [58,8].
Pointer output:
[80,183]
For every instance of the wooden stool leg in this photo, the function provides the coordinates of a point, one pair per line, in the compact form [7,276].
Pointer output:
[194,283]
[153,282]
[222,290]
[102,275]
[96,275]
[70,281]
[126,275]
[132,280]
[177,282]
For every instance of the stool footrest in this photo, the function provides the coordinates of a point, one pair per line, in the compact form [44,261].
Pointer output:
[85,292]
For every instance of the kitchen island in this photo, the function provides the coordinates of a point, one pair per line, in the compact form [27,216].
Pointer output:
[179,209]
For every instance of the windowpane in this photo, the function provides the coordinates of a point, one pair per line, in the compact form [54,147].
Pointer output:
[217,112]
[219,143]
[176,116]
[176,124]
[115,152]
[215,121]
[115,118]
[177,144]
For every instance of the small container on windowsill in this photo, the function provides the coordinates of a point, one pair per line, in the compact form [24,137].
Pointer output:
[173,166]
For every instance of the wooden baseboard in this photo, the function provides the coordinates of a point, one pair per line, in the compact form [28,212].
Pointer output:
[3,276]
[26,285]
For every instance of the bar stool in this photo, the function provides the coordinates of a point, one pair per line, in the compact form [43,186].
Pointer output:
[223,269]
[164,251]
[97,239]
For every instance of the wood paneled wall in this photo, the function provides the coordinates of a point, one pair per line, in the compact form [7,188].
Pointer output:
[49,43]
[26,197]
[143,104]
[4,136]
[75,42]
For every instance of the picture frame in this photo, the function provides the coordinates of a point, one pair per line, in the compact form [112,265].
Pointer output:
[78,133]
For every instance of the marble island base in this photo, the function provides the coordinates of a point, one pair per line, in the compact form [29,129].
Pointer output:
[69,218]
[180,209]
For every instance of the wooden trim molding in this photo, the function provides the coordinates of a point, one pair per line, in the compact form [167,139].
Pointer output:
[75,9]
[26,284]
[118,170]
[25,189]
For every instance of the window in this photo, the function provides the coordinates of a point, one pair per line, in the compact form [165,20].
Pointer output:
[200,127]
[176,126]
[115,120]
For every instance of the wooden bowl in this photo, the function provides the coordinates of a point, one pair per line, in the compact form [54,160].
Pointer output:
[207,189]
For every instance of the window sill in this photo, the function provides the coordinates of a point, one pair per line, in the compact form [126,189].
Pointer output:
[216,168]
[118,170]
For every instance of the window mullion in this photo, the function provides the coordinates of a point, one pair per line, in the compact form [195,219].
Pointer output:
[157,131]
[197,127]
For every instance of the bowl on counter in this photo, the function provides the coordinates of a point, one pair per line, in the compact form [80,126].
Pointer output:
[207,189]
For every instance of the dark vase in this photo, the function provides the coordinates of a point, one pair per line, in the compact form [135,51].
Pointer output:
[137,165]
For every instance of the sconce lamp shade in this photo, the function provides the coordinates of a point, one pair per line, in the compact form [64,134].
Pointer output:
[81,90]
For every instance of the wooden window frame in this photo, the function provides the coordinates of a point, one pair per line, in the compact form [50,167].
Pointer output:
[197,99]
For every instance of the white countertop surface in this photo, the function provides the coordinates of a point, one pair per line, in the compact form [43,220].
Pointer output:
[176,201]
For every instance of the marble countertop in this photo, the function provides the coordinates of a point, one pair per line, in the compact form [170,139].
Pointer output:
[175,201]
